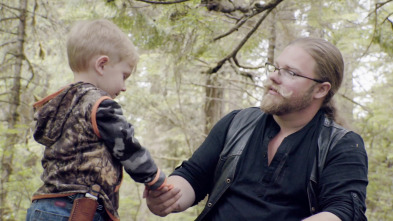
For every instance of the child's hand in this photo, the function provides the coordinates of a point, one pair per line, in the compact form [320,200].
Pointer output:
[164,185]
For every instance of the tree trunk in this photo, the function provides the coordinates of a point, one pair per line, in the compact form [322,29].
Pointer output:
[213,102]
[13,116]
[272,37]
[345,108]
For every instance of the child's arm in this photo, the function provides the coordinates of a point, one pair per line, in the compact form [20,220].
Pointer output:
[118,136]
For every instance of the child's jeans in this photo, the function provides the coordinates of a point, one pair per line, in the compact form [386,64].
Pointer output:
[57,209]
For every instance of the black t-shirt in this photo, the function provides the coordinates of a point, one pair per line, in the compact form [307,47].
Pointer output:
[278,191]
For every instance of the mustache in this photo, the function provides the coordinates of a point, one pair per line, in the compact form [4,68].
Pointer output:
[269,85]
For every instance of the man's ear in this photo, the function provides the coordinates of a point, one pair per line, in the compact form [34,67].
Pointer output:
[100,63]
[322,90]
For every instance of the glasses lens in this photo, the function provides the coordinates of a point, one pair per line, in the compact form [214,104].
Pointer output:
[287,73]
[269,68]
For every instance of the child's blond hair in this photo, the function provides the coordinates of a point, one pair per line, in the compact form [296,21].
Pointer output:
[98,37]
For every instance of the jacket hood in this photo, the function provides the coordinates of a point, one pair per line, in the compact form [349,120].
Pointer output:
[53,112]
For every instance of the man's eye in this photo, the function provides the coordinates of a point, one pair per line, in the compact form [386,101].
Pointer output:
[291,73]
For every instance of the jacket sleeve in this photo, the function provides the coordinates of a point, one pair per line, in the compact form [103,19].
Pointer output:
[118,136]
[343,182]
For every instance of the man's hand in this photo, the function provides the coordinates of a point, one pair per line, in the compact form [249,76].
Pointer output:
[164,201]
[323,216]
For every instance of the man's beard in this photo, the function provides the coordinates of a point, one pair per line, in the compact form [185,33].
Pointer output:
[284,104]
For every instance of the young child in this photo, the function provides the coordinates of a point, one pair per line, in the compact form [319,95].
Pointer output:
[86,137]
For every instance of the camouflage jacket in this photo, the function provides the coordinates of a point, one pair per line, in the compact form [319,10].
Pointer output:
[80,126]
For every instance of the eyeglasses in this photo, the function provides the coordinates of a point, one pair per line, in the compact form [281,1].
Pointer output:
[270,68]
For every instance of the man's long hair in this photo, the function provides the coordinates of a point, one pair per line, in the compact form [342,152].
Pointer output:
[329,67]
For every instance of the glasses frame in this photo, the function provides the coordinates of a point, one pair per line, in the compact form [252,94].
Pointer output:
[289,72]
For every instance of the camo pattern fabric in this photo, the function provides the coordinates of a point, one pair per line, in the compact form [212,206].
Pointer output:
[118,135]
[75,158]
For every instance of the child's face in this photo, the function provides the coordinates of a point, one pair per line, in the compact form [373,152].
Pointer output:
[114,77]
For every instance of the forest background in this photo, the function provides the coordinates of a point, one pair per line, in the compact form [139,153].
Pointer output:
[200,59]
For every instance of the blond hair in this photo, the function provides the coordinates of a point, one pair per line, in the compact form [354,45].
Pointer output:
[329,67]
[87,39]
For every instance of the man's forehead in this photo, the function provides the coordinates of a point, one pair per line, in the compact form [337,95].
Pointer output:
[294,56]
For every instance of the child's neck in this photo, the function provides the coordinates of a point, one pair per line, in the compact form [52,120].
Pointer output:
[84,77]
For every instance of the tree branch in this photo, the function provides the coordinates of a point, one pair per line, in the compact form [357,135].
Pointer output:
[387,19]
[257,9]
[247,67]
[270,5]
[223,6]
[235,28]
[243,73]
[9,7]
[236,50]
[162,3]
[356,103]
[9,42]
[381,4]
[8,32]
[374,30]
[9,18]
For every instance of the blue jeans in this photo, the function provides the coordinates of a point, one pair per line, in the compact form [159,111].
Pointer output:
[57,209]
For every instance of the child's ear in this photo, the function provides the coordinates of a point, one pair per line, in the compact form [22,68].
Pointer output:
[100,63]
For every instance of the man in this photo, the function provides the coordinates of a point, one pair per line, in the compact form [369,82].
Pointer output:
[289,161]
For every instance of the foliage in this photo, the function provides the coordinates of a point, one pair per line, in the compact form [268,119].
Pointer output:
[384,26]
[376,128]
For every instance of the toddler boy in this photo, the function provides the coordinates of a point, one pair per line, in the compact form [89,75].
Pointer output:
[86,137]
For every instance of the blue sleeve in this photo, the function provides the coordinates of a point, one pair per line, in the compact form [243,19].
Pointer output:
[118,136]
[343,182]
[199,169]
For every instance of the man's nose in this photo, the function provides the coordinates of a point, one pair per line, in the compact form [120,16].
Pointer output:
[275,76]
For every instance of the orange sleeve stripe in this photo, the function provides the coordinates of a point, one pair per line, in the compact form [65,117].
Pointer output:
[94,114]
[164,184]
[155,178]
